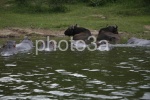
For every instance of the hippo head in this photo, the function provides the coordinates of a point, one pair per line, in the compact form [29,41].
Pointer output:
[70,30]
[9,48]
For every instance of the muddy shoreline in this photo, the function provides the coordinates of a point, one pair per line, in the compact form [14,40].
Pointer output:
[16,32]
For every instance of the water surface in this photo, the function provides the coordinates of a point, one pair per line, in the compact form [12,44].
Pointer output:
[120,74]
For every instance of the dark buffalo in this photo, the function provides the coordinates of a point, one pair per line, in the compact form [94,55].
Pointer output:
[81,36]
[113,29]
[78,33]
[9,48]
[110,33]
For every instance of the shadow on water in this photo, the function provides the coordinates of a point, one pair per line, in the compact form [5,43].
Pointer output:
[122,73]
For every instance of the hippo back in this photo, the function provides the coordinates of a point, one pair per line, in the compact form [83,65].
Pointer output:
[137,41]
[28,41]
[25,45]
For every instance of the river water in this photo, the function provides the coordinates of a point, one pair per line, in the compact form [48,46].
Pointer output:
[122,73]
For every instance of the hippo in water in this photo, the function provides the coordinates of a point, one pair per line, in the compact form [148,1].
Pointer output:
[139,42]
[25,45]
[78,33]
[9,48]
[109,33]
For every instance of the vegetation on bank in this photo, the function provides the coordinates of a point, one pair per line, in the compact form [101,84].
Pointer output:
[131,16]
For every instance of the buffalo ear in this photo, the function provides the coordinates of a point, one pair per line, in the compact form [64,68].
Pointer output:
[116,26]
[76,25]
[106,25]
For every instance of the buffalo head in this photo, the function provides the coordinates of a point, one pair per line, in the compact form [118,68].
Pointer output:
[73,30]
[113,29]
[70,30]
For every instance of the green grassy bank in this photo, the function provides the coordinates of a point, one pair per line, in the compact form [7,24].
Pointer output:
[130,20]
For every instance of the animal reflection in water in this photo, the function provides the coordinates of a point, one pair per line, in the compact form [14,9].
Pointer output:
[78,44]
[104,45]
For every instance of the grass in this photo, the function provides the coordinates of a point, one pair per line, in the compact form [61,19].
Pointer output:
[128,20]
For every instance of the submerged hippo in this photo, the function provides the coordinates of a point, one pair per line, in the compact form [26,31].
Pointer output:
[25,45]
[109,33]
[78,33]
[137,41]
[9,48]
[48,46]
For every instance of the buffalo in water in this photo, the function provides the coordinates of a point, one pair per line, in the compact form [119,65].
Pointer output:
[78,33]
[109,33]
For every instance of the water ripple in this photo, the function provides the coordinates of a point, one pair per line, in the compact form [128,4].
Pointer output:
[100,96]
[123,93]
[10,65]
[60,93]
[77,75]
[144,86]
[38,91]
[95,82]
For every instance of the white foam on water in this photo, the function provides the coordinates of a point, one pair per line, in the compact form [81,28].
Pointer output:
[100,96]
[60,93]
[104,47]
[38,91]
[6,79]
[95,82]
[10,65]
[77,75]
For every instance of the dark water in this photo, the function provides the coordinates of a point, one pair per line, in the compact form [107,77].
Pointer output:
[120,74]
